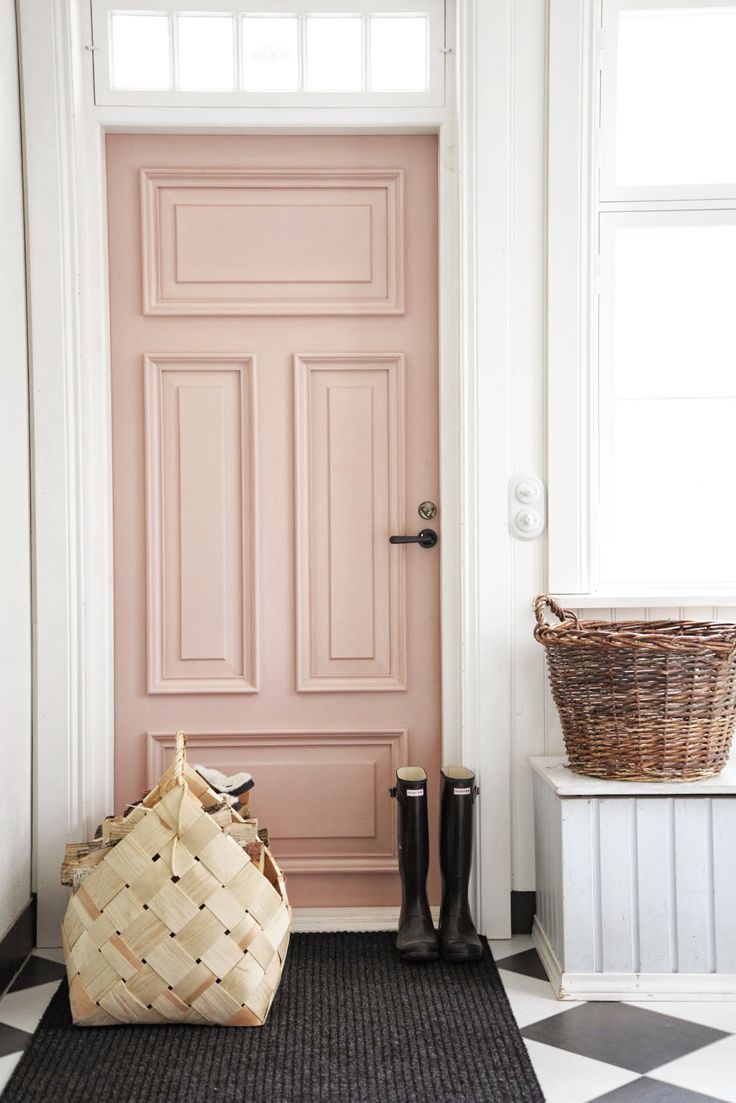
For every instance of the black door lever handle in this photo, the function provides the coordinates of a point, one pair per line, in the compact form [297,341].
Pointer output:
[427,538]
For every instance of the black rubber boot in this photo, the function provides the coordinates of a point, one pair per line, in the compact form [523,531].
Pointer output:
[458,937]
[417,939]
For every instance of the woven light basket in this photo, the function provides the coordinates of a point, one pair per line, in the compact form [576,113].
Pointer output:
[641,700]
[175,924]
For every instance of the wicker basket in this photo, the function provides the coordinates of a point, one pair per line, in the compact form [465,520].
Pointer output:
[641,700]
[175,924]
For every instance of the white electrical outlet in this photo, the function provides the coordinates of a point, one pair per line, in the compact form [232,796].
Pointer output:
[527,507]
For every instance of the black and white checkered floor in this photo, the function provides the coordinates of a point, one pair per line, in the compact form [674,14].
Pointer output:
[614,1052]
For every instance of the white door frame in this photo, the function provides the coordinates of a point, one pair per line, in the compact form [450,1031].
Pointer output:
[72,458]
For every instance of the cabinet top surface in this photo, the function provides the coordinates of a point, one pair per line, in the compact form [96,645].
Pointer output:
[566,783]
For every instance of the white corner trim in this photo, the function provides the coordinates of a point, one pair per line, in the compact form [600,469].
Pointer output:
[571,103]
[71,486]
[485,103]
[349,919]
[549,960]
[630,987]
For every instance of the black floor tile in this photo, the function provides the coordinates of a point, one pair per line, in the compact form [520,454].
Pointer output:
[38,970]
[619,1034]
[12,1040]
[527,962]
[645,1090]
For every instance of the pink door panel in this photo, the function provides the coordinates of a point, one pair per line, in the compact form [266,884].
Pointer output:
[349,448]
[322,241]
[304,780]
[274,380]
[202,515]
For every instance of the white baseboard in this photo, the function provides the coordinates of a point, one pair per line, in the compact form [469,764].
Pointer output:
[631,987]
[348,919]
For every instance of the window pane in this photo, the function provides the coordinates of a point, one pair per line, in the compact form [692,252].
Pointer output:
[676,96]
[334,53]
[670,519]
[206,52]
[398,53]
[668,398]
[674,292]
[140,51]
[270,53]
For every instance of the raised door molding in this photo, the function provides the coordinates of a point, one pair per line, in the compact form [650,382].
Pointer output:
[328,790]
[201,522]
[349,486]
[219,241]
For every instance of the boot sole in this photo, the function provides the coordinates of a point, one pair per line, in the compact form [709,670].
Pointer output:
[461,956]
[419,955]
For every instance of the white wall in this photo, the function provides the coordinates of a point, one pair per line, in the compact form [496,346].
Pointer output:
[15,552]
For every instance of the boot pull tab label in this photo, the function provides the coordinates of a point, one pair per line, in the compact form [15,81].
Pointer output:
[462,792]
[415,792]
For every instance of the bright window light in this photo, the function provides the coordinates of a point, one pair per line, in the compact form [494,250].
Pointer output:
[398,53]
[676,96]
[668,398]
[675,325]
[270,53]
[140,54]
[205,53]
[334,53]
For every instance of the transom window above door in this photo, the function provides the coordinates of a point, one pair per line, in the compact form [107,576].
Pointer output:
[287,53]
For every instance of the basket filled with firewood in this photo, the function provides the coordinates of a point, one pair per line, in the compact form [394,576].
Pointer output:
[179,911]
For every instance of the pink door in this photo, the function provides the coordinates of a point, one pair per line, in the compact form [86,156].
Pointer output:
[274,377]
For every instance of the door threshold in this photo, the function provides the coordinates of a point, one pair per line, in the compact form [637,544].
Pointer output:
[348,919]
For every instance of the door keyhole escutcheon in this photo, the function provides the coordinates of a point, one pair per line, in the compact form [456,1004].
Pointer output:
[427,511]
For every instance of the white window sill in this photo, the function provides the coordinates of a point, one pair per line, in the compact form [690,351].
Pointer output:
[646,600]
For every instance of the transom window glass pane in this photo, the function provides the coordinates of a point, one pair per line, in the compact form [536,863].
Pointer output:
[668,398]
[334,53]
[398,53]
[676,96]
[140,55]
[270,53]
[205,53]
[241,52]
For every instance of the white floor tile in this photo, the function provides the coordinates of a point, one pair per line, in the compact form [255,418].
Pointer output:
[24,1009]
[7,1064]
[504,947]
[569,1078]
[711,1070]
[718,1014]
[54,954]
[532,1000]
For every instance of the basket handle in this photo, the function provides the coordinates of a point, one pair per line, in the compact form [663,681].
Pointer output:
[180,757]
[544,601]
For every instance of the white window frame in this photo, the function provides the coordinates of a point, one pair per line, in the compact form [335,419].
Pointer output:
[66,248]
[434,96]
[580,194]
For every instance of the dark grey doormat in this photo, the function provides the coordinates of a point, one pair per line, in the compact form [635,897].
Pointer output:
[350,1024]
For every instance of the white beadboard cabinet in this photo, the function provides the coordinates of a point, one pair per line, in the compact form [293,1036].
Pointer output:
[636,885]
